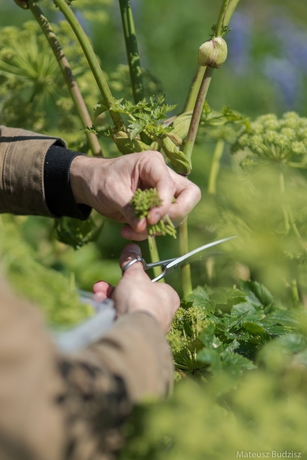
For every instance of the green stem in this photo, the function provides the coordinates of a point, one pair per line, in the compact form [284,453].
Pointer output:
[295,294]
[284,208]
[215,166]
[197,112]
[184,248]
[132,51]
[154,256]
[192,96]
[221,19]
[68,76]
[230,10]
[199,75]
[92,60]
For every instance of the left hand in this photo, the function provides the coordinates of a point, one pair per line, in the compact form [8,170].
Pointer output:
[108,186]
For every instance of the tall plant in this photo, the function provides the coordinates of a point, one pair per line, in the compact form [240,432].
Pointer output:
[143,124]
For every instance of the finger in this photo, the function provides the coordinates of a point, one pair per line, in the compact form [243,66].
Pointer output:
[155,173]
[130,252]
[129,233]
[187,195]
[102,289]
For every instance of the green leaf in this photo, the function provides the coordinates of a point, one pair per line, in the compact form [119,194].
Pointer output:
[210,357]
[260,292]
[201,298]
[254,328]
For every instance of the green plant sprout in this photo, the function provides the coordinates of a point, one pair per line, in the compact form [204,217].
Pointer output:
[143,201]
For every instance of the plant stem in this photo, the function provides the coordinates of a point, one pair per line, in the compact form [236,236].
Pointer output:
[198,78]
[200,86]
[183,249]
[192,96]
[154,256]
[215,166]
[284,209]
[68,76]
[221,19]
[197,112]
[230,10]
[132,50]
[295,294]
[92,60]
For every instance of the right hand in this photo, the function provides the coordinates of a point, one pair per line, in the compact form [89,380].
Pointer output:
[135,292]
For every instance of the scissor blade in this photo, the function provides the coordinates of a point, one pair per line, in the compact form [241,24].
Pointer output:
[180,260]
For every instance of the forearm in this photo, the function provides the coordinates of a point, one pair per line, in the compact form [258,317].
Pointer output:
[35,175]
[53,404]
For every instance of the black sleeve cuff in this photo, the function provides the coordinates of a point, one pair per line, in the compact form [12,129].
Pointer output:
[58,193]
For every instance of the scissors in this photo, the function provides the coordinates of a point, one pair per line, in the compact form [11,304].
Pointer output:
[91,330]
[169,265]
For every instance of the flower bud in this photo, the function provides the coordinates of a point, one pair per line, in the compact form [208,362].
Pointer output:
[213,52]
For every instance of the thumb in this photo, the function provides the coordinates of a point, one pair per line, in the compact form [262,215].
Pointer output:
[131,252]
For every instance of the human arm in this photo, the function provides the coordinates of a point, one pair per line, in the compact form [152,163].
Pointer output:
[73,406]
[39,177]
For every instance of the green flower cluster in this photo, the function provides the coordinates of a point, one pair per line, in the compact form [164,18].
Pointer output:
[143,201]
[280,140]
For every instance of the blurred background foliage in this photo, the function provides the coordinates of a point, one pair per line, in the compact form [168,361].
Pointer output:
[265,72]
[260,200]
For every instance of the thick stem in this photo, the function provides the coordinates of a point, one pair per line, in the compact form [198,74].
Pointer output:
[198,79]
[215,166]
[230,10]
[184,248]
[197,112]
[192,96]
[221,19]
[154,256]
[132,50]
[92,60]
[72,85]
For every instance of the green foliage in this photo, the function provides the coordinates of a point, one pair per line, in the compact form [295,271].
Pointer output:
[147,118]
[143,201]
[32,93]
[253,405]
[48,289]
[222,330]
[75,232]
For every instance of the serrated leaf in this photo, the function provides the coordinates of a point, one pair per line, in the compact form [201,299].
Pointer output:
[254,328]
[235,364]
[100,108]
[207,336]
[201,298]
[282,317]
[260,292]
[211,358]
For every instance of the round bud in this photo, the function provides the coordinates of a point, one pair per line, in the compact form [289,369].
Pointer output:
[213,52]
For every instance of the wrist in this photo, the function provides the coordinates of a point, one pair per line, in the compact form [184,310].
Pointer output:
[79,177]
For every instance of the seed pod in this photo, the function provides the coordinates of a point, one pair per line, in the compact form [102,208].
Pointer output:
[213,53]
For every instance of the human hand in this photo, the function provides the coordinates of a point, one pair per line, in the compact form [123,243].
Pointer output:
[108,185]
[135,292]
